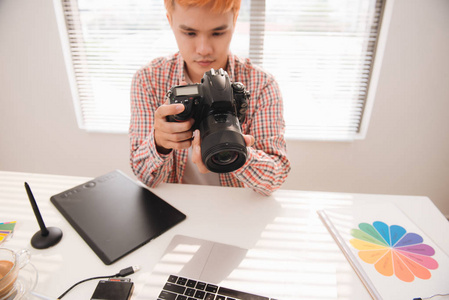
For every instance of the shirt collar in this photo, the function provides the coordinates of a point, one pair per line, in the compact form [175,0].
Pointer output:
[180,70]
[230,66]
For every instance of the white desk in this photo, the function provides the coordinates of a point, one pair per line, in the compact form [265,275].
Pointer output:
[285,224]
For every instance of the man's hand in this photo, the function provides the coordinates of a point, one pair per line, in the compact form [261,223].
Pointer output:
[196,150]
[171,135]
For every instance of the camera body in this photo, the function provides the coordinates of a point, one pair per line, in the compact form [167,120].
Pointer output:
[218,108]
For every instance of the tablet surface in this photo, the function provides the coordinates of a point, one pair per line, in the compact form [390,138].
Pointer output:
[115,215]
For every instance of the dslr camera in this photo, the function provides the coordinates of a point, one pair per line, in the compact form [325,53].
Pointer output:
[218,108]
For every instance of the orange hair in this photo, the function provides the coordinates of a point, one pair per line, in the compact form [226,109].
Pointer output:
[218,6]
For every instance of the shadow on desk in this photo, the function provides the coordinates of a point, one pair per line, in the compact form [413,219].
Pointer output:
[288,255]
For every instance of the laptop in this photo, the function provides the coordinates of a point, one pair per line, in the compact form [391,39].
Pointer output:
[200,266]
[115,215]
[213,270]
[184,288]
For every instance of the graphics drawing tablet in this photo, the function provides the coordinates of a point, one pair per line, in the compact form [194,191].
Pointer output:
[115,215]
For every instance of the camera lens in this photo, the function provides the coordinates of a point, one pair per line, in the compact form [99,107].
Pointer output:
[223,148]
[225,157]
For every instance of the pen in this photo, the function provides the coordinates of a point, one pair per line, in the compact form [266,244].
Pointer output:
[44,230]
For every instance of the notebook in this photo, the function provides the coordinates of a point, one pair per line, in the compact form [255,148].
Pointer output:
[392,256]
[115,215]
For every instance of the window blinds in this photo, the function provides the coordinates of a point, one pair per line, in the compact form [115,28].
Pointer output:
[321,53]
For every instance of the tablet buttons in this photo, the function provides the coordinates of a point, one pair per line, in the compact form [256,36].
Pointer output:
[90,184]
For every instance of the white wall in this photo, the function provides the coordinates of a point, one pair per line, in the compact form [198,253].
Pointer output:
[405,152]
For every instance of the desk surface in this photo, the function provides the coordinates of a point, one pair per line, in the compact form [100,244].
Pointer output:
[285,224]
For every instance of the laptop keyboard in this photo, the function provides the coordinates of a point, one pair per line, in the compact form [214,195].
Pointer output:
[182,288]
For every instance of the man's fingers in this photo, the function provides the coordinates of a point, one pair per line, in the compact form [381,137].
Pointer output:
[196,153]
[179,145]
[167,110]
[171,135]
[249,140]
[175,128]
[179,137]
[161,124]
[196,148]
[196,138]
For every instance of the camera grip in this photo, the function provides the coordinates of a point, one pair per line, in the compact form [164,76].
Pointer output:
[186,113]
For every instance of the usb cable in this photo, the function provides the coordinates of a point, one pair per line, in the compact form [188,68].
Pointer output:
[123,273]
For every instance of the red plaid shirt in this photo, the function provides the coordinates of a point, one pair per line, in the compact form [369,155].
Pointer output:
[266,167]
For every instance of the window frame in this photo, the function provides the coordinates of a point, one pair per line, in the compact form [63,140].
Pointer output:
[257,59]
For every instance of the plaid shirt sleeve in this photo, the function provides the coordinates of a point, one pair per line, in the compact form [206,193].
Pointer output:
[147,164]
[267,165]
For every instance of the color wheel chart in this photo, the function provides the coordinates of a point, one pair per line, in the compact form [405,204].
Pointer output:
[394,251]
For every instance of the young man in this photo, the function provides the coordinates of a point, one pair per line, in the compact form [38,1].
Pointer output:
[164,151]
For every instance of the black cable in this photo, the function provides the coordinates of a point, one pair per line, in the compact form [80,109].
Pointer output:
[427,298]
[79,282]
[122,273]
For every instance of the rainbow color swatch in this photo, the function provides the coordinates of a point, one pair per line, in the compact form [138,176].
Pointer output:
[393,250]
[6,230]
